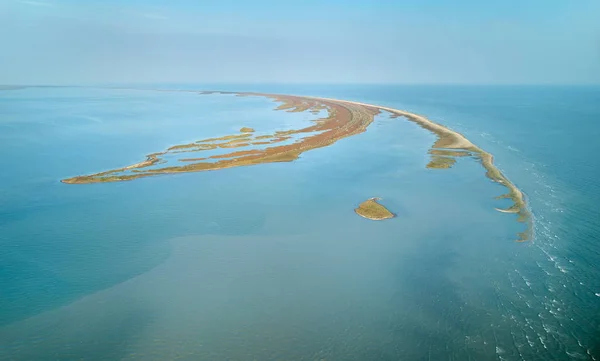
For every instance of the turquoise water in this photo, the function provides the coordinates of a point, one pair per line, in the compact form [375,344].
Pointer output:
[270,261]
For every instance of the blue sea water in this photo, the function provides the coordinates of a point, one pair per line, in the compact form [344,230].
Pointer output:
[270,261]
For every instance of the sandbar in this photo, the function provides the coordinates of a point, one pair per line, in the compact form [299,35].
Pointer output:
[344,119]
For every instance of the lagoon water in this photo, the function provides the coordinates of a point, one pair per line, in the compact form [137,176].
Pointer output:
[270,262]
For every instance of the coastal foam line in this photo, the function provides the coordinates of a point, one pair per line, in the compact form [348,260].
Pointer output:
[345,118]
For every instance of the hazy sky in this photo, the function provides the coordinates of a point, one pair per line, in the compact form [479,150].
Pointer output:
[392,41]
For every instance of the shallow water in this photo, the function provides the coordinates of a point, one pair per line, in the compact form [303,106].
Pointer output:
[270,261]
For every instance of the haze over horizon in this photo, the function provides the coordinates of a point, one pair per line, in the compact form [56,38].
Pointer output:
[134,41]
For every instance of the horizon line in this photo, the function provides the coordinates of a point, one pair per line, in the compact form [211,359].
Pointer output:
[58,85]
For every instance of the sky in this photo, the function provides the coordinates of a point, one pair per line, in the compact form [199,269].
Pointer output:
[267,41]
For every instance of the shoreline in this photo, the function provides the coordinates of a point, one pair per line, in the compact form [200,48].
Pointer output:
[345,118]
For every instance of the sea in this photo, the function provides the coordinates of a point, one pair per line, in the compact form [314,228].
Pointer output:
[270,262]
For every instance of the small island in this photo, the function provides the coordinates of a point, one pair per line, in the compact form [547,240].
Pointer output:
[247,130]
[372,210]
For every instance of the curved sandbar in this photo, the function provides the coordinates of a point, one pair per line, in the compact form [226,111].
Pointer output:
[344,118]
[371,209]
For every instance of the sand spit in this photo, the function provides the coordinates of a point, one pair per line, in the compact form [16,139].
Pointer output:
[344,118]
